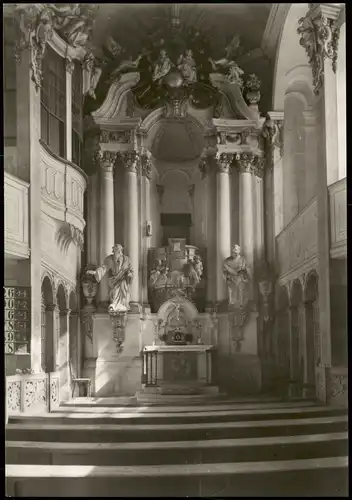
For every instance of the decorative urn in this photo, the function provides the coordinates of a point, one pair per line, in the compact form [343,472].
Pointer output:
[252,90]
[89,285]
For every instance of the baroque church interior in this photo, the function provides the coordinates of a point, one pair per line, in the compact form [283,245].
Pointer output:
[175,249]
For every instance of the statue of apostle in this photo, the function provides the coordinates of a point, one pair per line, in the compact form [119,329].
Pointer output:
[238,277]
[120,275]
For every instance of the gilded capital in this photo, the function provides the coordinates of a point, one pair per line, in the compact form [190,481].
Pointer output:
[131,160]
[250,163]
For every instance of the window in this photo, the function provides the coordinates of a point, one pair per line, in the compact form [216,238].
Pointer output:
[9,75]
[77,104]
[17,320]
[53,102]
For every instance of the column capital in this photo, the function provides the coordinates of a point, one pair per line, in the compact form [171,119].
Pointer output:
[131,161]
[106,159]
[224,162]
[52,308]
[146,165]
[69,65]
[65,312]
[319,36]
[250,163]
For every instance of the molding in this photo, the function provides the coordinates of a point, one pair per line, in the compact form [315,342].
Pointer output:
[295,273]
[63,160]
[15,181]
[273,28]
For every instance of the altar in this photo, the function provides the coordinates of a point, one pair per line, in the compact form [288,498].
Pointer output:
[179,369]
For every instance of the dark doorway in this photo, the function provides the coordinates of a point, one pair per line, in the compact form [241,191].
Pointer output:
[175,226]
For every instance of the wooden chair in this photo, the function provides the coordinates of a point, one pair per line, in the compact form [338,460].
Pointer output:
[77,381]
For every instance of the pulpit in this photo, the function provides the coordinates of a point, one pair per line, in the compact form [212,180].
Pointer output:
[179,369]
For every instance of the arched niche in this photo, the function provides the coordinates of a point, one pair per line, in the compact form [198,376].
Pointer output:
[47,328]
[187,308]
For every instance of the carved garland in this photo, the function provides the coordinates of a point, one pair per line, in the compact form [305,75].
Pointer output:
[319,37]
[146,166]
[273,135]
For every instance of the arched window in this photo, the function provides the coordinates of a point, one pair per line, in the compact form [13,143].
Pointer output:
[77,105]
[53,102]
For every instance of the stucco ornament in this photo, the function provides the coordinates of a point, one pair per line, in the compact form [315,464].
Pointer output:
[319,37]
[118,267]
[238,277]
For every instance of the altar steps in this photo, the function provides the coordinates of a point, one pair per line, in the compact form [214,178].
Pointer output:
[263,451]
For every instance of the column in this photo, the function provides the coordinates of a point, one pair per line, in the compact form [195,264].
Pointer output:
[273,182]
[107,237]
[64,350]
[28,154]
[74,345]
[51,340]
[132,241]
[208,172]
[244,165]
[223,222]
[146,227]
[69,65]
[310,129]
[259,217]
[323,62]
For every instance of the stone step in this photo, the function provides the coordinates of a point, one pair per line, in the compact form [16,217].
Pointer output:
[136,432]
[307,477]
[142,417]
[178,452]
[112,405]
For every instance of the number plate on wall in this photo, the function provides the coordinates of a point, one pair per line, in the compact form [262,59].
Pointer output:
[17,319]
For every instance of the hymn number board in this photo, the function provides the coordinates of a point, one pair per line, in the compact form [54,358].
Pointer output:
[17,319]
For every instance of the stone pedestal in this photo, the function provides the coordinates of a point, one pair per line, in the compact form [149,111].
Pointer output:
[113,373]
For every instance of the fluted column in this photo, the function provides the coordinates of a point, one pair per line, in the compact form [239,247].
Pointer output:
[223,221]
[273,181]
[146,228]
[208,172]
[69,65]
[131,163]
[245,168]
[107,161]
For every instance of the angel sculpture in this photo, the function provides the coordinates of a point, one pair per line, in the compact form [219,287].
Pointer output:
[227,63]
[187,66]
[127,66]
[74,22]
[94,72]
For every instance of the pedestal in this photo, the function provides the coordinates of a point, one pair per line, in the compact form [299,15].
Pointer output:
[113,373]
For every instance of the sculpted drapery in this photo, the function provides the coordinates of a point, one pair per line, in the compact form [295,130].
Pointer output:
[238,277]
[118,267]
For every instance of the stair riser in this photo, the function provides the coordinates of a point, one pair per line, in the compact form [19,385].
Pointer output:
[186,456]
[303,483]
[106,435]
[176,419]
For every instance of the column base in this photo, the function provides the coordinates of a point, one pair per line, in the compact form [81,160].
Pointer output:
[135,308]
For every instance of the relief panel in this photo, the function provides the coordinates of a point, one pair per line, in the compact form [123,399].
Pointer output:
[338,218]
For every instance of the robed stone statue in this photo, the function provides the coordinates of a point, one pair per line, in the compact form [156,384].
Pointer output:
[238,278]
[120,274]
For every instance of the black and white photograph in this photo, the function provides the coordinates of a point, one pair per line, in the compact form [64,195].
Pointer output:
[175,250]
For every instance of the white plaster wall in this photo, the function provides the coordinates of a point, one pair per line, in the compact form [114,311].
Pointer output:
[341,102]
[64,263]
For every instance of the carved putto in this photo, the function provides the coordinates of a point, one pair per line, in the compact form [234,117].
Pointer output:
[120,275]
